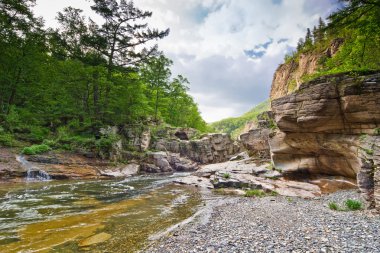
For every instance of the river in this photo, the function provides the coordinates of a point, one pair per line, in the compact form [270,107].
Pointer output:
[91,216]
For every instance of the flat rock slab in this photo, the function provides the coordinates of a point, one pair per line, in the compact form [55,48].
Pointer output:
[95,239]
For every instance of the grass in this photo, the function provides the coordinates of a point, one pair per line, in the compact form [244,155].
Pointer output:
[255,193]
[350,205]
[226,176]
[333,206]
[353,205]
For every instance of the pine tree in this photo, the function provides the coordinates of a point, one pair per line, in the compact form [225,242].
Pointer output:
[315,35]
[300,44]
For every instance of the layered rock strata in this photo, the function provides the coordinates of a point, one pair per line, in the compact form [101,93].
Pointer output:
[331,126]
[288,76]
[256,140]
[212,148]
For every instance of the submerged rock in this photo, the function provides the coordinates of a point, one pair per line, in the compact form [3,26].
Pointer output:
[95,239]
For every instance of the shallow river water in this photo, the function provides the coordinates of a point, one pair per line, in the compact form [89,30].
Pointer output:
[91,216]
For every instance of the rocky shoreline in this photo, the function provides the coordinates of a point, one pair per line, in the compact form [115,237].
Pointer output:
[274,224]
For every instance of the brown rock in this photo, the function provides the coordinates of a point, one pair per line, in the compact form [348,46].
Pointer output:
[212,148]
[287,77]
[322,126]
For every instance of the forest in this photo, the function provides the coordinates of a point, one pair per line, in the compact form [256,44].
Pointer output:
[354,29]
[63,85]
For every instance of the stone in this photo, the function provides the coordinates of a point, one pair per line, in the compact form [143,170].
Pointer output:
[287,77]
[241,156]
[95,239]
[256,141]
[195,181]
[212,148]
[330,126]
[167,162]
[127,171]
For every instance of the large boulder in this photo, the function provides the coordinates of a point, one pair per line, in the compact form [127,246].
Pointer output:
[331,126]
[158,162]
[256,140]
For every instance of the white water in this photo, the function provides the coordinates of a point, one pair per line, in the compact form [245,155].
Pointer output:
[33,173]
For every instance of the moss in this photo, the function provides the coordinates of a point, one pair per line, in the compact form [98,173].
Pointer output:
[255,193]
[368,151]
[363,137]
[292,86]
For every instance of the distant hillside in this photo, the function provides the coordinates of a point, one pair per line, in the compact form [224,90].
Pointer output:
[235,126]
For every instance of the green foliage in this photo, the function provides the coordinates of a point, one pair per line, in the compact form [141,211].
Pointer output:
[61,86]
[357,27]
[350,205]
[36,149]
[226,176]
[333,206]
[353,205]
[255,193]
[235,126]
[273,193]
[7,139]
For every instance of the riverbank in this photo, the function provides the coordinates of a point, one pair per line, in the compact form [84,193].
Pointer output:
[274,224]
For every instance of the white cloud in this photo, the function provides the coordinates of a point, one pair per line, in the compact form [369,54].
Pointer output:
[208,39]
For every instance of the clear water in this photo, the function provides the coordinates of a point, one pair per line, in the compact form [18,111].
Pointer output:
[58,216]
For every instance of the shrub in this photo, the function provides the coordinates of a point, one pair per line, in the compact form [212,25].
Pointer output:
[36,149]
[333,206]
[226,175]
[353,205]
[255,193]
[6,139]
[37,134]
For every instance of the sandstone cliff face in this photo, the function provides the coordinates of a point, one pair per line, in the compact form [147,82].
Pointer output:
[212,148]
[287,77]
[256,140]
[331,126]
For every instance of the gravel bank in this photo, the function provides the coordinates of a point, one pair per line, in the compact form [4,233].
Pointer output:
[274,224]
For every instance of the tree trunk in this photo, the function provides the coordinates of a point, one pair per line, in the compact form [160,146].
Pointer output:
[156,107]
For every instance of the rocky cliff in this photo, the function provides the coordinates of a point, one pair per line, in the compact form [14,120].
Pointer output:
[331,126]
[211,148]
[288,76]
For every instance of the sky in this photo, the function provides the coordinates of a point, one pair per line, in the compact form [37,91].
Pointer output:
[228,49]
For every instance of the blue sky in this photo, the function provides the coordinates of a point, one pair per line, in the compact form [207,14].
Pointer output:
[228,49]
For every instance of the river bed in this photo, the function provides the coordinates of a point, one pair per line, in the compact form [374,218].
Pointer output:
[91,216]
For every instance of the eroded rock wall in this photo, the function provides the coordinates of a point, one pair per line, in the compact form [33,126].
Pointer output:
[331,126]
[212,148]
[288,76]
[256,140]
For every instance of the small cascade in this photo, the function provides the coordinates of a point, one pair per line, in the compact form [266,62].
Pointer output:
[33,173]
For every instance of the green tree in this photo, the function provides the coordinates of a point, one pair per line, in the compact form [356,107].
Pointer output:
[120,36]
[156,74]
